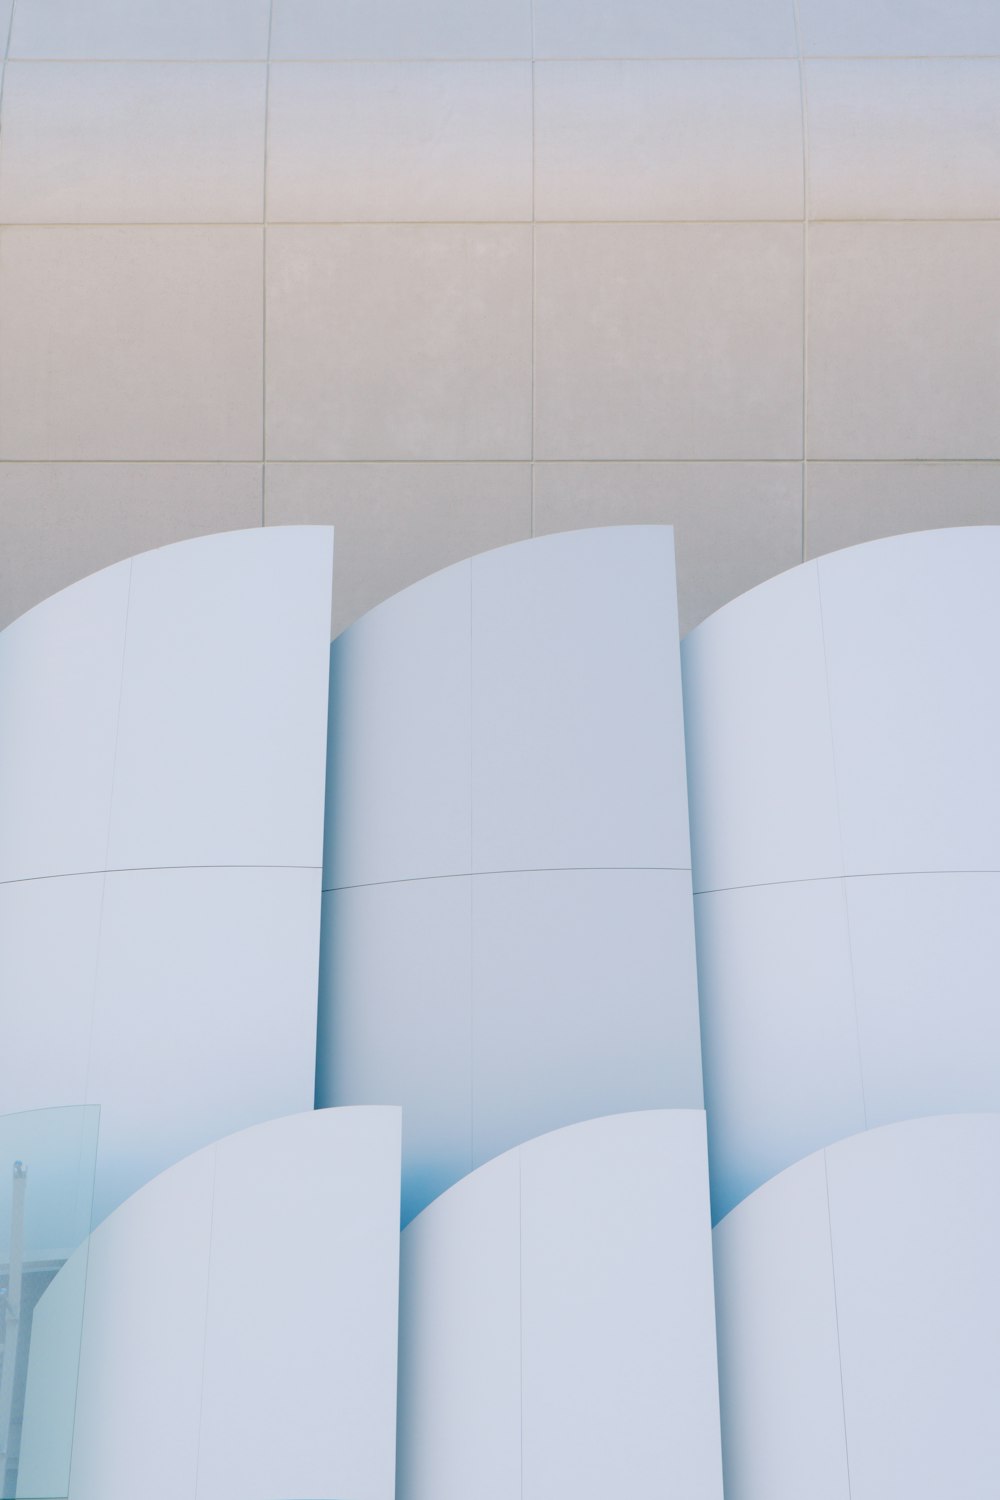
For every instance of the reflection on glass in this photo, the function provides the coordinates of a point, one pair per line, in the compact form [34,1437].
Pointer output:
[47,1160]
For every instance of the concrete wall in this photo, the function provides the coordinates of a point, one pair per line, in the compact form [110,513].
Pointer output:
[449,274]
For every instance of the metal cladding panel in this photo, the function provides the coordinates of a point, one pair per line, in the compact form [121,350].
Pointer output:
[577,738]
[239,1335]
[859,1319]
[511,727]
[164,745]
[557,1323]
[842,723]
[60,681]
[782,1060]
[220,746]
[399,757]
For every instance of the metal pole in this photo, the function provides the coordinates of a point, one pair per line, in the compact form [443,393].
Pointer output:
[12,1315]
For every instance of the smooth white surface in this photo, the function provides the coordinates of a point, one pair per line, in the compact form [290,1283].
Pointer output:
[399,790]
[460,1397]
[757,721]
[915,1222]
[845,812]
[557,1326]
[779,1369]
[60,679]
[165,733]
[619,1385]
[497,1007]
[220,757]
[782,1055]
[204,1014]
[577,741]
[47,988]
[926,953]
[583,1000]
[859,1319]
[396,1015]
[240,1325]
[913,630]
[507,855]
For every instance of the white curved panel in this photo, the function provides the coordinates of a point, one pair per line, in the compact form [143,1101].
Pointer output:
[49,941]
[511,727]
[223,712]
[842,722]
[165,732]
[926,954]
[399,958]
[912,630]
[60,679]
[780,1044]
[761,780]
[557,1328]
[239,1333]
[551,668]
[577,740]
[204,1013]
[583,986]
[399,783]
[497,1007]
[867,1364]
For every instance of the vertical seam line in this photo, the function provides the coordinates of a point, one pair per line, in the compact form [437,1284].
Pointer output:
[840,845]
[204,1338]
[836,1321]
[520,1320]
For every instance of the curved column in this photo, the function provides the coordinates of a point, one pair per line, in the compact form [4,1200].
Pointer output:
[841,725]
[557,1330]
[161,807]
[507,866]
[239,1331]
[859,1319]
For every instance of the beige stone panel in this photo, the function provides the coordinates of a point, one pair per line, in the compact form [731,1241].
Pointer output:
[61,522]
[664,28]
[889,28]
[130,343]
[399,141]
[395,523]
[141,28]
[399,342]
[904,357]
[96,143]
[401,28]
[851,503]
[668,140]
[734,524]
[668,341]
[916,139]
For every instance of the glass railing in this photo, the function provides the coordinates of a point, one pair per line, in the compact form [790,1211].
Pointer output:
[47,1163]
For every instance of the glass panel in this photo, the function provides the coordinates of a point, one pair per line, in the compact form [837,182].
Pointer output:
[47,1162]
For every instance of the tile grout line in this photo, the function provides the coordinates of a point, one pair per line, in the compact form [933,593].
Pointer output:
[806,206]
[263,289]
[592,60]
[181,225]
[534,233]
